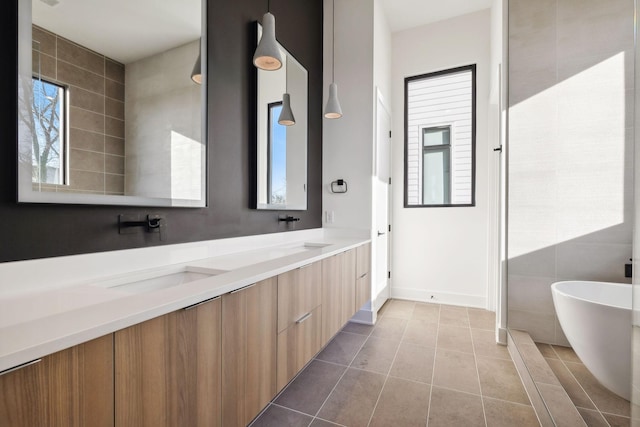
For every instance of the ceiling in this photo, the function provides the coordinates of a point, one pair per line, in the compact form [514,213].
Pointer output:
[124,30]
[405,14]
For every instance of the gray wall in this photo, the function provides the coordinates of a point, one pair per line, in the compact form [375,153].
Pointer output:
[570,151]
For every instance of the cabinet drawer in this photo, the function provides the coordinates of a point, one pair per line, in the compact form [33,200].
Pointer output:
[363,260]
[297,345]
[363,290]
[299,292]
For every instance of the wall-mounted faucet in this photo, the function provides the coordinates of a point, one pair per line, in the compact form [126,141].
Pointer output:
[128,224]
[288,219]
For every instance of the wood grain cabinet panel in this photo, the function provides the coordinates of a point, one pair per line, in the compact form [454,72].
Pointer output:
[299,292]
[73,387]
[363,273]
[332,297]
[249,321]
[167,369]
[348,285]
[297,345]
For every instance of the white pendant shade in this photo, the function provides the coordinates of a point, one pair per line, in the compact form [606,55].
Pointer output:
[333,110]
[267,55]
[286,115]
[196,74]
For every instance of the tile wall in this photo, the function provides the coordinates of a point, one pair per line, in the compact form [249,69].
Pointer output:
[96,111]
[570,152]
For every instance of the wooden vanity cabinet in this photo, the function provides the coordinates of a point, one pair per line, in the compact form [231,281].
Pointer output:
[332,296]
[73,387]
[363,275]
[299,320]
[167,369]
[348,285]
[249,322]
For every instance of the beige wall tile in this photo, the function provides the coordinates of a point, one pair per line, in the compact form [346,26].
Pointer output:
[86,120]
[80,56]
[84,180]
[113,145]
[46,39]
[114,184]
[114,164]
[87,160]
[114,70]
[114,90]
[85,140]
[82,78]
[114,127]
[114,108]
[86,100]
[44,66]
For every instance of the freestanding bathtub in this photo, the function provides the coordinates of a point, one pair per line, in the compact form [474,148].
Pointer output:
[596,319]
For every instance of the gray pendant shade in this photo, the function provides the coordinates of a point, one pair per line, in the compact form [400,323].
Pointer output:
[333,110]
[196,74]
[286,115]
[267,55]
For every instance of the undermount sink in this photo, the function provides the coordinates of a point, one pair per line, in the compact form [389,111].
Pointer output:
[304,245]
[155,280]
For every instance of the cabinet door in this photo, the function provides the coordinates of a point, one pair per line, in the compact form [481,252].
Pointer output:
[297,345]
[363,270]
[73,387]
[348,285]
[332,296]
[299,292]
[249,351]
[168,369]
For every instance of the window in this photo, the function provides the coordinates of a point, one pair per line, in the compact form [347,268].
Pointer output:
[277,163]
[49,125]
[436,166]
[440,138]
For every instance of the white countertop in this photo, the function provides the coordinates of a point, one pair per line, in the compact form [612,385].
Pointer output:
[35,324]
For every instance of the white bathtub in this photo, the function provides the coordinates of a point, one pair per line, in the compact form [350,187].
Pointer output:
[596,319]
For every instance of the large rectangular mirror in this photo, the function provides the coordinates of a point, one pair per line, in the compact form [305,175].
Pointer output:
[282,150]
[112,102]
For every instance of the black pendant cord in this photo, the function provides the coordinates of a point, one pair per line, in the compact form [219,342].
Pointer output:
[268,5]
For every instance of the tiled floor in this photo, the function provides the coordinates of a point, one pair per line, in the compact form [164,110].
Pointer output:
[598,406]
[421,365]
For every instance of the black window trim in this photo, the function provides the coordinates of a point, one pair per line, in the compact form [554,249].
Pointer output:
[407,80]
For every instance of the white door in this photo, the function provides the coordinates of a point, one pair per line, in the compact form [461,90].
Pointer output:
[382,197]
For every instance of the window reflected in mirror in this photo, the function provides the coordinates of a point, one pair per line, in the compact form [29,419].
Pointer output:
[440,138]
[277,173]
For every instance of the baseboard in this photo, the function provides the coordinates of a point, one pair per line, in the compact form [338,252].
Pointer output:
[439,297]
[501,335]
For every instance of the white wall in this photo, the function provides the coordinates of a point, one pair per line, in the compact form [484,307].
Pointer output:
[442,252]
[382,51]
[348,142]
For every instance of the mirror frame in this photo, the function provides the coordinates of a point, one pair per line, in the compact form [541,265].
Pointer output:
[256,189]
[25,192]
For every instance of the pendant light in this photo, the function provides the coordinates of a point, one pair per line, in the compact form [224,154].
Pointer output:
[267,55]
[286,114]
[332,109]
[196,74]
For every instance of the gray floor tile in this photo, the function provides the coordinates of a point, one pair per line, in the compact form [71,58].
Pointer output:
[414,363]
[499,379]
[376,355]
[452,408]
[276,416]
[402,403]
[455,370]
[507,414]
[310,389]
[342,348]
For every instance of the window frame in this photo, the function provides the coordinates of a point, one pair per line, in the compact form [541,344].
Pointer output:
[63,134]
[407,81]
